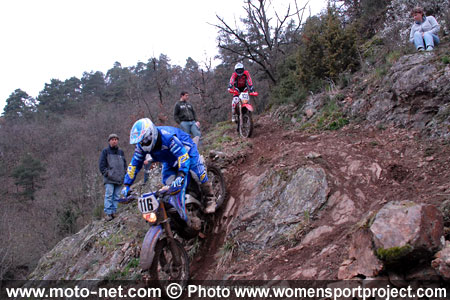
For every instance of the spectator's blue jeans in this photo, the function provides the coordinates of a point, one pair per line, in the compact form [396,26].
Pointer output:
[112,195]
[190,128]
[429,39]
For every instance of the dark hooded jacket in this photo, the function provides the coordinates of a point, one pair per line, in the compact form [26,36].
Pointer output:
[112,165]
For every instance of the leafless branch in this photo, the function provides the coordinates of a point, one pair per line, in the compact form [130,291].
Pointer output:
[261,42]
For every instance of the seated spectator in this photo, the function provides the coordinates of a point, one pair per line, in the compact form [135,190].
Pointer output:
[424,31]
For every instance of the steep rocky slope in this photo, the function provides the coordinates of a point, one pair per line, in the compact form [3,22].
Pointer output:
[296,201]
[297,198]
[306,191]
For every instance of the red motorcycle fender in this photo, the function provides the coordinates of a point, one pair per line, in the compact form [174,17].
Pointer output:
[248,107]
[148,246]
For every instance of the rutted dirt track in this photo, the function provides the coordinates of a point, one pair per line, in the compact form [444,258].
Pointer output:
[369,165]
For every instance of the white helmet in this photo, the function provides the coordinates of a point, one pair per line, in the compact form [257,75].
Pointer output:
[145,133]
[239,69]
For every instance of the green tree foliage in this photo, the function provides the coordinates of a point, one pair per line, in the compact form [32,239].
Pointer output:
[28,176]
[311,54]
[19,104]
[288,90]
[327,50]
[93,84]
[117,83]
[67,221]
[59,96]
[340,45]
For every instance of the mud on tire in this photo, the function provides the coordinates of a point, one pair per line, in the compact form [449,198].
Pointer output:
[218,183]
[246,129]
[164,269]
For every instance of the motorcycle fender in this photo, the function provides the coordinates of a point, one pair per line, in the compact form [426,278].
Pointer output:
[190,199]
[248,107]
[148,246]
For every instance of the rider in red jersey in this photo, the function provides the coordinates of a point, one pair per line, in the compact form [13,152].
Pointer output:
[240,81]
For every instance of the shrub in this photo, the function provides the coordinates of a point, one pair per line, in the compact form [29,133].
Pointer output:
[445,59]
[328,49]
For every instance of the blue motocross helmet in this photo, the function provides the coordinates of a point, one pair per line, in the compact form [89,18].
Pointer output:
[145,133]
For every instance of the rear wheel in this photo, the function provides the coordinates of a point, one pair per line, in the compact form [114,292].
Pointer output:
[170,264]
[246,127]
[218,183]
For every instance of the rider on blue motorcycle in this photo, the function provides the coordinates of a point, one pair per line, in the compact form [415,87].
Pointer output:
[175,150]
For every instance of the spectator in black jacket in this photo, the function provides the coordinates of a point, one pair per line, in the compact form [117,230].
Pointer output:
[184,115]
[113,167]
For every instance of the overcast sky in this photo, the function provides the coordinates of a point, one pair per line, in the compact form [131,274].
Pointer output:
[45,39]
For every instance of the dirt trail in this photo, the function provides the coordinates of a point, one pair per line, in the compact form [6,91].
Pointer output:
[370,165]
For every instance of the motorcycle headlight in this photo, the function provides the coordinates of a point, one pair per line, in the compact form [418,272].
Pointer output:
[245,101]
[150,217]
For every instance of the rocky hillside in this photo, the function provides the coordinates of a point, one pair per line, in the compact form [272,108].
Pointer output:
[359,201]
[312,205]
[353,184]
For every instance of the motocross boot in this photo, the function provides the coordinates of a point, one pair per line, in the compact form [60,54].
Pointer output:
[233,115]
[195,223]
[210,199]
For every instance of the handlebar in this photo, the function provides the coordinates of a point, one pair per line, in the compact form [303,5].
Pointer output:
[133,195]
[236,93]
[233,91]
[128,199]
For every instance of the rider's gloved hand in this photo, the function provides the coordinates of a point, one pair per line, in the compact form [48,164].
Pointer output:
[125,191]
[177,184]
[251,89]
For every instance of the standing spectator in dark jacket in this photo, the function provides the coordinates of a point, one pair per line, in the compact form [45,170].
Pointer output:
[113,167]
[184,115]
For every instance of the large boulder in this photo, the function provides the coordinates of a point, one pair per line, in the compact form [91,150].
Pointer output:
[407,231]
[442,262]
[280,202]
[361,258]
[414,94]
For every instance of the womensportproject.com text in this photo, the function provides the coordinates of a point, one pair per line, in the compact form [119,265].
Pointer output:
[175,291]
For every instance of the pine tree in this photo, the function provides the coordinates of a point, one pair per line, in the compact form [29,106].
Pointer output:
[19,104]
[28,175]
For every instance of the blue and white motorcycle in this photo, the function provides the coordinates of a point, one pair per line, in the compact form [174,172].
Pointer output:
[163,256]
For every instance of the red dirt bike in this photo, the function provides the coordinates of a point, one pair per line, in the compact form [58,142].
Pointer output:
[244,111]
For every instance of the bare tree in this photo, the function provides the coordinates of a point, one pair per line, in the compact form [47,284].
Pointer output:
[5,249]
[266,34]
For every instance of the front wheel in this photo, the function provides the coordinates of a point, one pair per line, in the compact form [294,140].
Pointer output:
[218,184]
[170,264]
[246,128]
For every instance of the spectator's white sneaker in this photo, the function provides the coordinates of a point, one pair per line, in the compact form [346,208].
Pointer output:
[430,48]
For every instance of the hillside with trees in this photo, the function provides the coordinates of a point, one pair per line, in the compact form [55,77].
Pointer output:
[49,145]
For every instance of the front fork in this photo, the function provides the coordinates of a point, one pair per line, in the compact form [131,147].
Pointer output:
[171,240]
[153,236]
[240,115]
[237,109]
